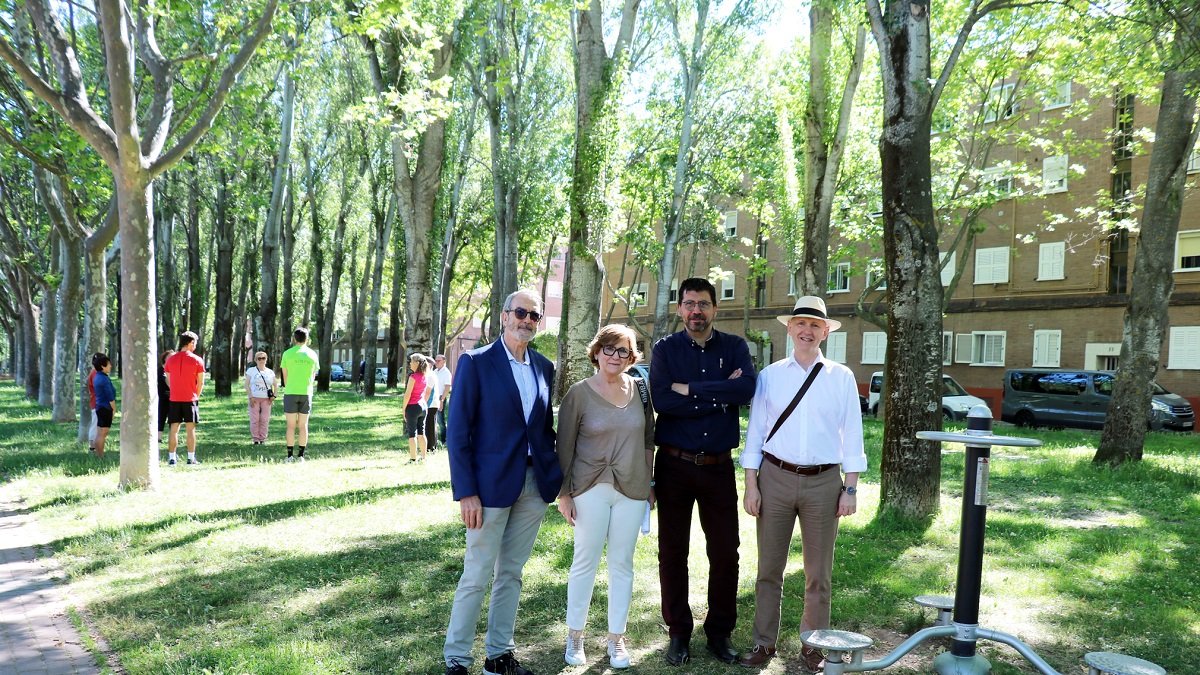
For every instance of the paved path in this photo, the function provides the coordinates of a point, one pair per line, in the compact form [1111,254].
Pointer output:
[36,636]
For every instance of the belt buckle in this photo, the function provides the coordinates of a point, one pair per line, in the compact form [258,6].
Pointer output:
[697,459]
[799,470]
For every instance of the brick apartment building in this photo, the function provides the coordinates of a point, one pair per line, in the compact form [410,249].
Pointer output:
[1055,301]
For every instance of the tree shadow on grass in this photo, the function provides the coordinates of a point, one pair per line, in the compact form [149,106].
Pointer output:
[147,538]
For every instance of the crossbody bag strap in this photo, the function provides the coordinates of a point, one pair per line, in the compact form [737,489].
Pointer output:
[812,375]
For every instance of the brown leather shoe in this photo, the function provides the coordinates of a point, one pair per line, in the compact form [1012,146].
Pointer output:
[757,657]
[814,662]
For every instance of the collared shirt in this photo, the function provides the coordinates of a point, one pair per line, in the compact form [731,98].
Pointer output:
[523,373]
[825,428]
[433,393]
[707,419]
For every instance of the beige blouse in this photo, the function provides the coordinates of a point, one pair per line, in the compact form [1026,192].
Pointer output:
[599,442]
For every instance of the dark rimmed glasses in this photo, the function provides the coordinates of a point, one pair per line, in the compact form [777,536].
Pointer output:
[620,352]
[702,305]
[522,314]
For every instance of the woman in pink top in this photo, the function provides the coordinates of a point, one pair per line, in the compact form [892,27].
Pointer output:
[415,395]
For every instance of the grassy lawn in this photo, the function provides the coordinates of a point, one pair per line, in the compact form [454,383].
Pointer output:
[348,563]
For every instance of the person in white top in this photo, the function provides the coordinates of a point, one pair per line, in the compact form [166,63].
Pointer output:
[447,379]
[433,404]
[807,469]
[260,391]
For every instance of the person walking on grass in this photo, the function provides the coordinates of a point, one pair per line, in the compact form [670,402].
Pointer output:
[106,399]
[503,473]
[699,378]
[433,403]
[300,365]
[260,392]
[414,397]
[806,454]
[606,451]
[185,378]
[447,380]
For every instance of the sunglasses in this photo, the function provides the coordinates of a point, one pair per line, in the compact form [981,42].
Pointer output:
[523,314]
[261,358]
[621,352]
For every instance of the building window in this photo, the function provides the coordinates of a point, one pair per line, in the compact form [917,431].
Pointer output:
[731,224]
[991,265]
[1123,127]
[835,347]
[876,277]
[1194,161]
[1001,103]
[987,348]
[1059,96]
[995,179]
[728,286]
[554,289]
[674,292]
[1054,174]
[839,278]
[947,260]
[1047,348]
[874,348]
[1184,348]
[1187,250]
[947,346]
[792,284]
[1051,258]
[637,296]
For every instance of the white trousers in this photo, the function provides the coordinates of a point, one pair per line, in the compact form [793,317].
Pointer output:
[92,428]
[603,514]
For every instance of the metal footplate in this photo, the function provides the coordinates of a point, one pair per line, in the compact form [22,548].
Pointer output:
[1109,663]
[942,603]
[836,643]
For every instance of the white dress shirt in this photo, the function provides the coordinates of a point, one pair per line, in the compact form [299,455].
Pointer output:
[825,428]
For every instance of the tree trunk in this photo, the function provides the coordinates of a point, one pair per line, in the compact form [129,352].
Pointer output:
[168,304]
[139,335]
[503,137]
[383,237]
[266,329]
[598,79]
[195,275]
[29,338]
[329,313]
[95,315]
[49,325]
[222,337]
[911,469]
[394,349]
[287,308]
[357,299]
[1146,316]
[66,342]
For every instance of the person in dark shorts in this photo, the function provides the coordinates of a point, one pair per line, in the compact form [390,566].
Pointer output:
[300,365]
[164,394]
[106,398]
[415,394]
[185,378]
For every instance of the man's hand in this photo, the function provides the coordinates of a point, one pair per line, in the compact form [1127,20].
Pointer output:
[752,502]
[847,504]
[472,512]
[566,506]
[735,374]
[680,388]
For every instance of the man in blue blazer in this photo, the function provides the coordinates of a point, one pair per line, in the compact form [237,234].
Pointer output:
[503,472]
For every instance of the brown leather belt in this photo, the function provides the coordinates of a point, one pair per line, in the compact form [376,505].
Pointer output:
[797,468]
[697,458]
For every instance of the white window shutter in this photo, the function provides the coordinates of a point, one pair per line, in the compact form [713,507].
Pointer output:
[964,345]
[1185,348]
[1050,260]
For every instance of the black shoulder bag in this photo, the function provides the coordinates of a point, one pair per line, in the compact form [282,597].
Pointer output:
[812,375]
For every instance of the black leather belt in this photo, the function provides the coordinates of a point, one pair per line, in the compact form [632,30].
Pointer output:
[697,458]
[798,469]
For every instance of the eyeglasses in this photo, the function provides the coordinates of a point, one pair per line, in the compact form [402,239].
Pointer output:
[621,352]
[523,314]
[260,358]
[702,305]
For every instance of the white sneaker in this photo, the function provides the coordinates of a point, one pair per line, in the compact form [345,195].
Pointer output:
[618,656]
[574,653]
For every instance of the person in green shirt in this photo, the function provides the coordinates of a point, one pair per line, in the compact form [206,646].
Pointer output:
[300,365]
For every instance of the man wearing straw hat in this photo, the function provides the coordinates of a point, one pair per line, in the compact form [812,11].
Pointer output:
[804,452]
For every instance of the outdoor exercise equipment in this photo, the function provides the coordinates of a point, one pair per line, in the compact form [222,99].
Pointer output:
[964,628]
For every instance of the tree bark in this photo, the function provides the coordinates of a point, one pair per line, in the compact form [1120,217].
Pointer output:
[287,306]
[1146,315]
[598,80]
[195,273]
[222,337]
[49,317]
[168,304]
[383,237]
[66,343]
[335,277]
[395,350]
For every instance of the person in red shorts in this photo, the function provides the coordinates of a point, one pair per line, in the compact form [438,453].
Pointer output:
[185,378]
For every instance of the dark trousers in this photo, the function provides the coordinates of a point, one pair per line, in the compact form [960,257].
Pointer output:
[431,437]
[441,421]
[679,485]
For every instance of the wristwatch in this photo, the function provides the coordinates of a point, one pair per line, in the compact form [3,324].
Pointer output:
[850,490]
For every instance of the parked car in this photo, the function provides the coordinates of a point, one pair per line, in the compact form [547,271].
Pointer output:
[381,374]
[1080,398]
[641,370]
[956,402]
[337,373]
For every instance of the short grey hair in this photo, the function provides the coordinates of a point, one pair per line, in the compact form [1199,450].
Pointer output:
[521,291]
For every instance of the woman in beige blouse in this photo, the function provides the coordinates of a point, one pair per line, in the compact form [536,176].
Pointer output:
[606,449]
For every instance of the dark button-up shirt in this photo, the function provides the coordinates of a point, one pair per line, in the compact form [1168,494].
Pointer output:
[706,420]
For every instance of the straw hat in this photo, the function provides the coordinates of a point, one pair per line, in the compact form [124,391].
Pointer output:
[810,306]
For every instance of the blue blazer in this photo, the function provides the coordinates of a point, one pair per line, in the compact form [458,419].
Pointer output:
[487,437]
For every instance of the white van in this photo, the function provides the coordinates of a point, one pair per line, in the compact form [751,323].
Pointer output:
[956,402]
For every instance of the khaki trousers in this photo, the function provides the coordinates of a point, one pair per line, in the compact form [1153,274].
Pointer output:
[786,496]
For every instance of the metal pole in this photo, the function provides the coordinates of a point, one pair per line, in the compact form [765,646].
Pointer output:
[970,542]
